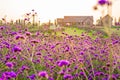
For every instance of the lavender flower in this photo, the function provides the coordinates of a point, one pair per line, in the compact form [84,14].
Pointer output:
[13,33]
[28,33]
[24,68]
[67,77]
[19,37]
[1,79]
[17,49]
[81,52]
[102,2]
[12,74]
[32,77]
[115,42]
[10,64]
[50,78]
[43,74]
[62,72]
[63,63]
[34,41]
[9,75]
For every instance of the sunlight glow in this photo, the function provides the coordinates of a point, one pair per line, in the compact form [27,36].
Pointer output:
[51,9]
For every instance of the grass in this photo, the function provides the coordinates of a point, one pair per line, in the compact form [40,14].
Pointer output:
[113,30]
[76,31]
[70,31]
[91,31]
[116,30]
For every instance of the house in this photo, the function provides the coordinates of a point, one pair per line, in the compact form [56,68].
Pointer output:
[79,21]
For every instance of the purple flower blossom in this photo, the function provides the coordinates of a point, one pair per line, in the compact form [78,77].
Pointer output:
[1,79]
[19,37]
[13,74]
[76,67]
[6,44]
[115,42]
[67,77]
[43,74]
[28,33]
[81,52]
[24,68]
[13,33]
[76,75]
[17,49]
[32,77]
[113,77]
[67,48]
[14,57]
[9,75]
[81,73]
[117,75]
[102,2]
[38,53]
[34,41]
[7,57]
[62,72]
[2,27]
[10,64]
[53,46]
[37,33]
[99,73]
[50,78]
[63,63]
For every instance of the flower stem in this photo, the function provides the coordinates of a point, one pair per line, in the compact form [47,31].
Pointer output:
[91,65]
[111,61]
[34,70]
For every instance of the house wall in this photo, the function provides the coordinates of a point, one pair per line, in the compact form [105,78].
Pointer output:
[60,21]
[88,22]
[79,21]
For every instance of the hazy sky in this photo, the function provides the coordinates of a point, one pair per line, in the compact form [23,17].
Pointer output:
[51,9]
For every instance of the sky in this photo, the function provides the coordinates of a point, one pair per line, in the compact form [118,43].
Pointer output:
[52,9]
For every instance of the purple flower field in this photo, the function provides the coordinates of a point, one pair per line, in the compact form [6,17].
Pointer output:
[28,56]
